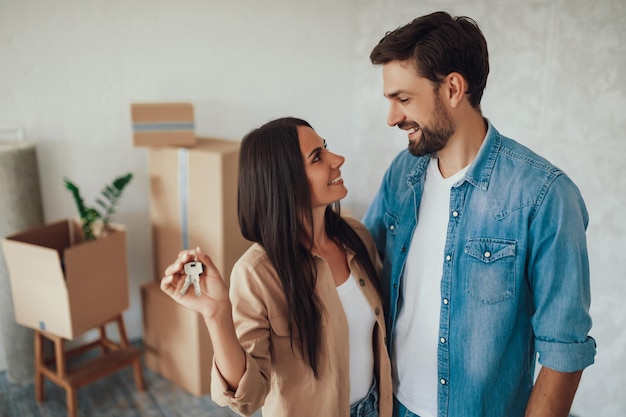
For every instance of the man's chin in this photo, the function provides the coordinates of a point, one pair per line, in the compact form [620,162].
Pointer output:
[416,150]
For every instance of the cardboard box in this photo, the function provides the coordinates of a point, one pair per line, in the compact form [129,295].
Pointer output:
[177,345]
[163,124]
[63,285]
[193,202]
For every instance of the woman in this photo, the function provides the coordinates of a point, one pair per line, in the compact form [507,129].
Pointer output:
[303,332]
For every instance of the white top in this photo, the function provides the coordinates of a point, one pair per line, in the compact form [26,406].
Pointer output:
[361,326]
[416,333]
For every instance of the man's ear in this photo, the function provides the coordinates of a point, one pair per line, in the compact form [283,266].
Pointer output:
[456,87]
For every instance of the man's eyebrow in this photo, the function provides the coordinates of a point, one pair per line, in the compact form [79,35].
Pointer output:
[394,94]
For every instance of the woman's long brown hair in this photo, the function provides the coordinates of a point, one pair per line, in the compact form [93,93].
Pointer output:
[275,210]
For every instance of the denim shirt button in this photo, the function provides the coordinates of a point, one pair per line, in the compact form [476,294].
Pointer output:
[455,213]
[487,254]
[391,227]
[442,340]
[442,381]
[448,257]
[445,301]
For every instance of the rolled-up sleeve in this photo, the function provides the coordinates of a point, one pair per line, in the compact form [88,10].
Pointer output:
[252,328]
[559,267]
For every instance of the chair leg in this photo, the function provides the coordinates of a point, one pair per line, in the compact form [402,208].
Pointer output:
[137,362]
[72,402]
[39,362]
[141,386]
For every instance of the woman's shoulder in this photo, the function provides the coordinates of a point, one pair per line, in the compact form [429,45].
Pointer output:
[254,279]
[358,227]
[253,261]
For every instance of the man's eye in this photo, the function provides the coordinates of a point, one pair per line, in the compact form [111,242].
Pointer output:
[403,100]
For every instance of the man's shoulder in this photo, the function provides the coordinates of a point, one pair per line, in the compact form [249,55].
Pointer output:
[515,152]
[523,175]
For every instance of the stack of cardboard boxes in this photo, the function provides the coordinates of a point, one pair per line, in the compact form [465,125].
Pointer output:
[193,202]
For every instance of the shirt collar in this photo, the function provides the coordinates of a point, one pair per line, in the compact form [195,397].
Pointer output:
[481,168]
[479,171]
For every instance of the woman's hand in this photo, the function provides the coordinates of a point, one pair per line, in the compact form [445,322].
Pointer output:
[215,307]
[214,294]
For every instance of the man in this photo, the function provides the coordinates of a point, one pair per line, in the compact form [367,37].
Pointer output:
[482,241]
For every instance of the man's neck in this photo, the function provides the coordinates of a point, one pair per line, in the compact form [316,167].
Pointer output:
[463,146]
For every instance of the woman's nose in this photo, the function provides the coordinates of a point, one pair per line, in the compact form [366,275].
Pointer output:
[338,160]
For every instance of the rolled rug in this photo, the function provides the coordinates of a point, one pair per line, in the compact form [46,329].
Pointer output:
[20,209]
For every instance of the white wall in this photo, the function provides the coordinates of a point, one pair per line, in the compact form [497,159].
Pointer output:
[70,69]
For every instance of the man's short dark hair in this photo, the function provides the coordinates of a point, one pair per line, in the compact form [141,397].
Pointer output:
[439,44]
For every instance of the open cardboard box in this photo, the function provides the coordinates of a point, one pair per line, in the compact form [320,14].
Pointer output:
[64,285]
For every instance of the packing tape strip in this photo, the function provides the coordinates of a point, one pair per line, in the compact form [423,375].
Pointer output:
[183,190]
[162,127]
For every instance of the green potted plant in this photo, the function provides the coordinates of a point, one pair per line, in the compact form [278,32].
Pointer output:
[96,223]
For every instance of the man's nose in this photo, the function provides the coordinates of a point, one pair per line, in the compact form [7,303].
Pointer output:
[395,115]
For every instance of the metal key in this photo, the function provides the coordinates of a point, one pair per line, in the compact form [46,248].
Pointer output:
[193,270]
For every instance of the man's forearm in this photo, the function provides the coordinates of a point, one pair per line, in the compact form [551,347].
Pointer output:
[553,393]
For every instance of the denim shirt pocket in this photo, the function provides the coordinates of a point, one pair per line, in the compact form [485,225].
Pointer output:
[490,273]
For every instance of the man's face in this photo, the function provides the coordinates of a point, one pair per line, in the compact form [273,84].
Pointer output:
[416,106]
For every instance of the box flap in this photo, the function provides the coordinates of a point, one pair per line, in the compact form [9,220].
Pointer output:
[54,235]
[43,306]
[29,263]
[40,297]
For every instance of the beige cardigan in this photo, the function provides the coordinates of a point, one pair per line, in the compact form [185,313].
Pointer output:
[279,379]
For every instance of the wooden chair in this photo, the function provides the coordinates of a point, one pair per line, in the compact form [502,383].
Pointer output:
[112,357]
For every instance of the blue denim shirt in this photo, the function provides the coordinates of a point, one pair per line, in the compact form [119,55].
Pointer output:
[515,274]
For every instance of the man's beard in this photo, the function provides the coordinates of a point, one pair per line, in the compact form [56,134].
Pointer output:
[434,138]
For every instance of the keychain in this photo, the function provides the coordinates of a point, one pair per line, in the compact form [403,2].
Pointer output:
[193,270]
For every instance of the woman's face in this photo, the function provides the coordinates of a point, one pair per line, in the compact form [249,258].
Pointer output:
[322,168]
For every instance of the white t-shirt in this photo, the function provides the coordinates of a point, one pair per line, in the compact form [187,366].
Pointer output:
[361,322]
[416,333]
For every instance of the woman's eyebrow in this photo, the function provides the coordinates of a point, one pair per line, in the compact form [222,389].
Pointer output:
[314,151]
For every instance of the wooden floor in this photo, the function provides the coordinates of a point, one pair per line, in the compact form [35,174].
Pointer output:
[112,396]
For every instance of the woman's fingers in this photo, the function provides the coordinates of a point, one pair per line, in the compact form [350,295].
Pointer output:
[175,273]
[211,269]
